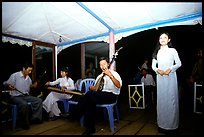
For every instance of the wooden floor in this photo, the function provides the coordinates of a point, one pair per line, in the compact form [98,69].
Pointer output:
[132,122]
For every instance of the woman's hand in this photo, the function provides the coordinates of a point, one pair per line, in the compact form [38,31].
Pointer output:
[63,87]
[167,71]
[161,72]
[47,83]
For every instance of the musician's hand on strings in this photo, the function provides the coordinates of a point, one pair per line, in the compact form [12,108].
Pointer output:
[9,87]
[107,72]
[47,83]
[83,93]
[63,88]
[92,88]
[34,85]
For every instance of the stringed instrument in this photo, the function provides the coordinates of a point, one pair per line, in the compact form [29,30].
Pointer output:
[100,81]
[64,91]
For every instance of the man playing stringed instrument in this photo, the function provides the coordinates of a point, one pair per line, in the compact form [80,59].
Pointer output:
[19,85]
[106,79]
[107,94]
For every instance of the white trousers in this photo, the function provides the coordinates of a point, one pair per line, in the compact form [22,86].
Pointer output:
[50,103]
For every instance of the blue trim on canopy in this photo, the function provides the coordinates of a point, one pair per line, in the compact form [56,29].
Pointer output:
[161,22]
[94,15]
[83,39]
[147,26]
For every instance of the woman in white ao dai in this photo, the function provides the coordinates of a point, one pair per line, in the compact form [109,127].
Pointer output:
[50,103]
[165,62]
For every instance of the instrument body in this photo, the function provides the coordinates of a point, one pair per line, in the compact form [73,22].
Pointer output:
[65,91]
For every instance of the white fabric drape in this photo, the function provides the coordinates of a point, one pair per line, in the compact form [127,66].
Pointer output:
[16,41]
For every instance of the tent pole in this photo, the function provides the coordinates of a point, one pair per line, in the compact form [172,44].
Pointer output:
[55,62]
[83,60]
[112,49]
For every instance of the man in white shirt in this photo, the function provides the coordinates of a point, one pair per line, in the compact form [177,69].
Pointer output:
[150,90]
[111,84]
[19,85]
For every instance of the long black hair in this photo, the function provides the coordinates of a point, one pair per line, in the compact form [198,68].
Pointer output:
[158,45]
[66,69]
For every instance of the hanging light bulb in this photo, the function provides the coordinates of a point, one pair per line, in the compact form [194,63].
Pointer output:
[60,39]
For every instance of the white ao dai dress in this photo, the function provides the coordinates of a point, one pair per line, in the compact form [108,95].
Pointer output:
[167,88]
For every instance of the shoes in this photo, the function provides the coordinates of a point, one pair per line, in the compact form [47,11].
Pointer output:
[89,132]
[161,130]
[168,132]
[54,118]
[46,118]
[65,115]
[45,115]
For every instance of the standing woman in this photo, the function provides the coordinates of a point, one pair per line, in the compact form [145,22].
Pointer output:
[50,103]
[165,62]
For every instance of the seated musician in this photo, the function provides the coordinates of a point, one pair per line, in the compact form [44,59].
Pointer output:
[108,94]
[50,102]
[19,85]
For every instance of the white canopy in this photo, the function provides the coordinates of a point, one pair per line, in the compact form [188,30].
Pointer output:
[69,23]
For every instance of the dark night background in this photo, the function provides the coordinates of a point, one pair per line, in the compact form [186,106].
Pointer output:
[186,39]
